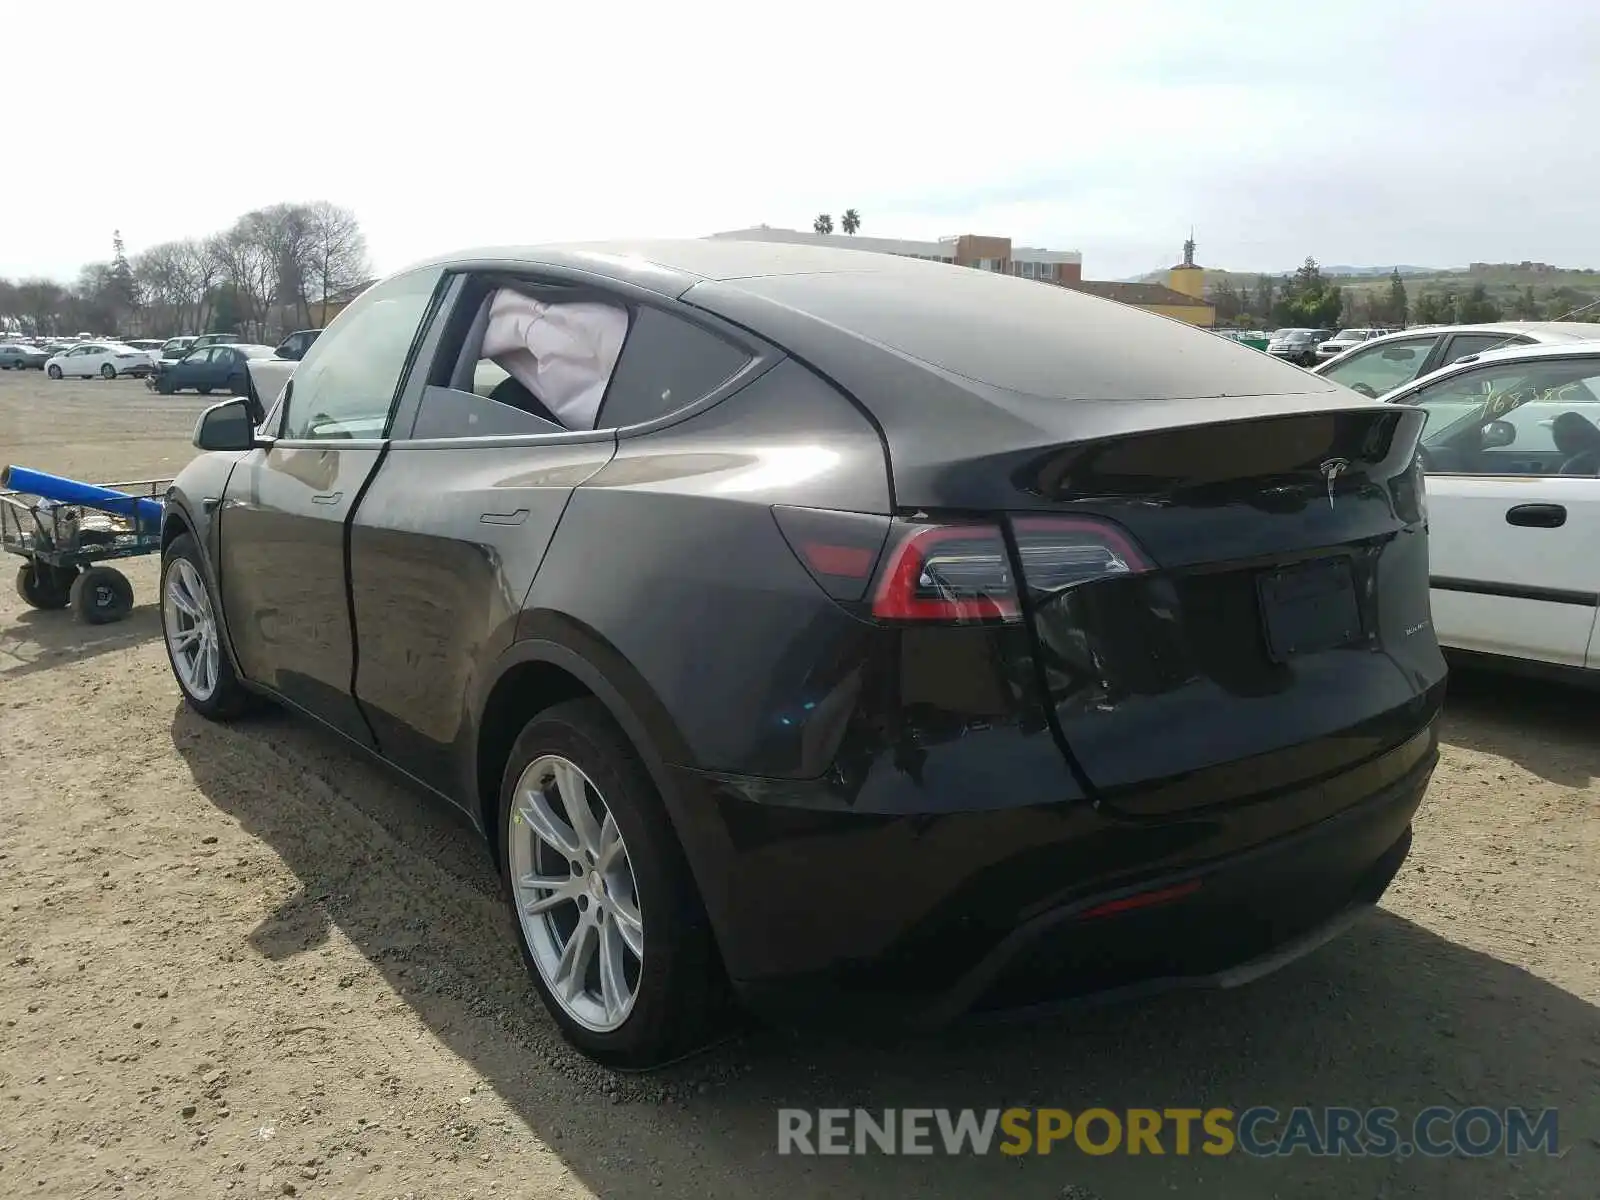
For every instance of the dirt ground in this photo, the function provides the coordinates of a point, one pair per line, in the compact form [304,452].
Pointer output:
[244,961]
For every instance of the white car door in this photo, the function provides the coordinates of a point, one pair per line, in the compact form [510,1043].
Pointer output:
[1514,510]
[93,356]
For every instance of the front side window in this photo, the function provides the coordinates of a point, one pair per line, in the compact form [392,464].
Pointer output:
[1375,370]
[198,358]
[345,386]
[1525,418]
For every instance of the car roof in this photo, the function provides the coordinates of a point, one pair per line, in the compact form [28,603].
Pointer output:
[1575,349]
[980,328]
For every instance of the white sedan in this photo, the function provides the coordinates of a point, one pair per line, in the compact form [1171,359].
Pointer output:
[1512,456]
[106,359]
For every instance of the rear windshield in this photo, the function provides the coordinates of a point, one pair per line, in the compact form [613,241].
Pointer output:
[1035,339]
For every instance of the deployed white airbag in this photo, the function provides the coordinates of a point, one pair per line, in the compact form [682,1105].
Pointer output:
[563,353]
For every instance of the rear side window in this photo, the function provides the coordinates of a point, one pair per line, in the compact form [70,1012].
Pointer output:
[666,364]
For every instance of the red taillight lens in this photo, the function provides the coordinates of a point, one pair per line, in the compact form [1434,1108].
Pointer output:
[839,549]
[956,573]
[962,573]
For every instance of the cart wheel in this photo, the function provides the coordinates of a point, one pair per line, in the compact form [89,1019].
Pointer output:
[102,595]
[42,586]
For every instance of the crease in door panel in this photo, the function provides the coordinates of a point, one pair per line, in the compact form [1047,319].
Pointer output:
[555,530]
[350,588]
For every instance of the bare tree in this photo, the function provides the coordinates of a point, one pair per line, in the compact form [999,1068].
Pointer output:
[249,253]
[337,259]
[42,301]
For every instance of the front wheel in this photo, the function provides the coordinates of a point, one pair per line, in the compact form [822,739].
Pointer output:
[204,391]
[610,924]
[193,637]
[53,371]
[107,371]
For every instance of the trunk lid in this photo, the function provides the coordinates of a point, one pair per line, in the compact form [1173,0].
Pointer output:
[1275,629]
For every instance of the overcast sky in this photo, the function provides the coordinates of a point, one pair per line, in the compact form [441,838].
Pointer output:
[1410,131]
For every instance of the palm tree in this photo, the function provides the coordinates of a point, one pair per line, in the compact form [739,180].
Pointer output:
[851,221]
[823,223]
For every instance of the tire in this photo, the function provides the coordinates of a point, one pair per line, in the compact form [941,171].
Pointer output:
[204,391]
[107,371]
[227,697]
[42,586]
[101,595]
[677,984]
[53,371]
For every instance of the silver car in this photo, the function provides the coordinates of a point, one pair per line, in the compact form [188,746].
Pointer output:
[1379,366]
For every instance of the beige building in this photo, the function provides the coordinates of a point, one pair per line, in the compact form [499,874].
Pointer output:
[1182,297]
[962,250]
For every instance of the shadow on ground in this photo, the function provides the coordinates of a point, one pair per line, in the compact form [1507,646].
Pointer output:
[1547,728]
[39,640]
[1390,1015]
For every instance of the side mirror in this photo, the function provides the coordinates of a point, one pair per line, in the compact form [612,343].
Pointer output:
[228,426]
[1498,434]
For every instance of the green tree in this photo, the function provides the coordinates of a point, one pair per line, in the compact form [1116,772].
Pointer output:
[1266,296]
[1436,308]
[1526,306]
[851,221]
[121,288]
[1309,301]
[1398,307]
[823,223]
[1477,307]
[1225,299]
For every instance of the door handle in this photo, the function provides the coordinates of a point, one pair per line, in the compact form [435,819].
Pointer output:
[328,498]
[1537,516]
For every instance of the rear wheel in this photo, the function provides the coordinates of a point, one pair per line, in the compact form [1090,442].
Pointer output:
[107,371]
[610,924]
[42,586]
[102,595]
[194,638]
[53,371]
[204,391]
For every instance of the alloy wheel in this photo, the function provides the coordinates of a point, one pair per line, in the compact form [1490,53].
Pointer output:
[191,630]
[576,897]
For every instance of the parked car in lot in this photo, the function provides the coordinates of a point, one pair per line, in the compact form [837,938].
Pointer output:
[1512,454]
[294,346]
[106,359]
[211,369]
[216,339]
[1380,366]
[174,348]
[151,346]
[848,632]
[1345,338]
[21,356]
[1298,346]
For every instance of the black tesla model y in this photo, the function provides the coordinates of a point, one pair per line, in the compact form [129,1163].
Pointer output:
[830,631]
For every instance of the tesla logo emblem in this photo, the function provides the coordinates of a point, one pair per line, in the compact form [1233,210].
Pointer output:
[1331,470]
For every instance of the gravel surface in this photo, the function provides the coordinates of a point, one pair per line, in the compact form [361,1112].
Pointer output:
[245,961]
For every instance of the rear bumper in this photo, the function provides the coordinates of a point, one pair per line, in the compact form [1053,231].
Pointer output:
[994,923]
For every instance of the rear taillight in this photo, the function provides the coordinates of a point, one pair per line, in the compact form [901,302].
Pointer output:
[962,573]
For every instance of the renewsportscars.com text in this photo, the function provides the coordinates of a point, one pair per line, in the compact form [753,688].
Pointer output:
[1260,1131]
